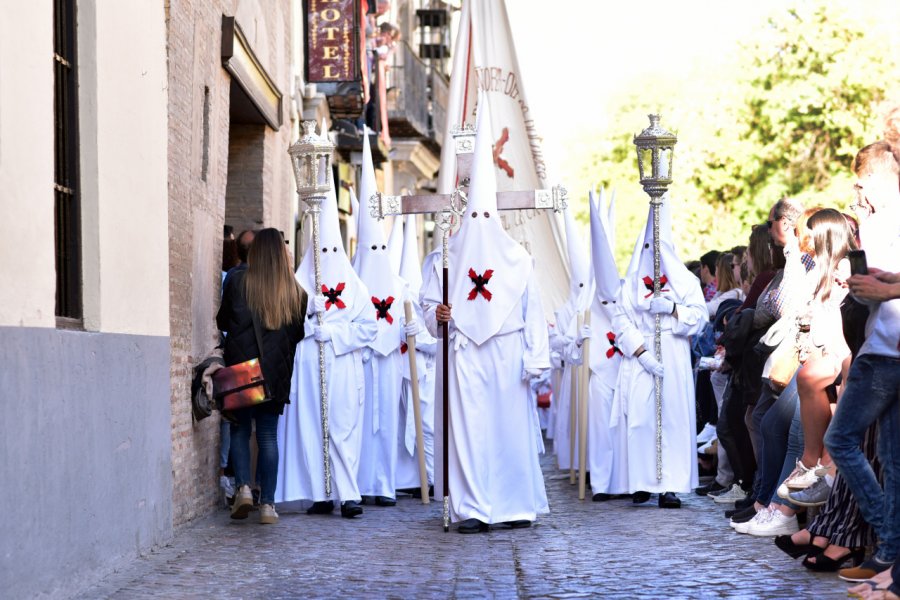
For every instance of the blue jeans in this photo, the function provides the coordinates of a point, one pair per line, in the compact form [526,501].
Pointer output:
[871,395]
[225,443]
[266,441]
[793,454]
[767,398]
[774,432]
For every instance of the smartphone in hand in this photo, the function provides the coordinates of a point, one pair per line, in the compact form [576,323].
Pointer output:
[858,264]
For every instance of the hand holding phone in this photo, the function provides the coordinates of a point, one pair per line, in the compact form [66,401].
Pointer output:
[857,260]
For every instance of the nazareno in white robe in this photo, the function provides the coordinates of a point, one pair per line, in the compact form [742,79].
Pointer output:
[634,391]
[495,475]
[301,466]
[381,414]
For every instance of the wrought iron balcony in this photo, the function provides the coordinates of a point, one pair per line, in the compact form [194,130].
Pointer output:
[416,98]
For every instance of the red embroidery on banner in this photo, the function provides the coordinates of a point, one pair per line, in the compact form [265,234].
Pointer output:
[613,348]
[501,162]
[648,283]
[480,282]
[333,296]
[382,307]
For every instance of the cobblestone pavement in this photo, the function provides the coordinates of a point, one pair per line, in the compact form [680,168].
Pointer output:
[580,550]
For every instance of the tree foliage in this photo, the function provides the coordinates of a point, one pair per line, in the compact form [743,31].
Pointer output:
[786,118]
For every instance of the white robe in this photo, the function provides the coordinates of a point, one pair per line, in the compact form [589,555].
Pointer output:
[634,391]
[562,435]
[407,457]
[607,442]
[301,466]
[494,474]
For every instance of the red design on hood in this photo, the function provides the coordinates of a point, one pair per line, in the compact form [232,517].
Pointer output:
[480,282]
[611,337]
[333,295]
[648,283]
[382,307]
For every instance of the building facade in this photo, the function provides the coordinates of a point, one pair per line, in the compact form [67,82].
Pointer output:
[134,133]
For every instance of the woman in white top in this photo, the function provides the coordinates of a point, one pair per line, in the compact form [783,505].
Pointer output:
[727,287]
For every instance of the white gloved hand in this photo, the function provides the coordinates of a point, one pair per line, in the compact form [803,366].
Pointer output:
[650,364]
[661,306]
[322,333]
[584,334]
[319,303]
[412,328]
[529,374]
[556,359]
[539,380]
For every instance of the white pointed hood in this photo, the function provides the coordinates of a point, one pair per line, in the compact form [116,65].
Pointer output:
[374,266]
[610,220]
[580,276]
[489,271]
[604,352]
[354,209]
[395,244]
[339,281]
[410,265]
[677,280]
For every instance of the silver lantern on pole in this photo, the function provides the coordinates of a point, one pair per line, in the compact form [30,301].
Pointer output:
[655,149]
[311,159]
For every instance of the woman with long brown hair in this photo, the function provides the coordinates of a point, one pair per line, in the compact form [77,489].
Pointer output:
[267,296]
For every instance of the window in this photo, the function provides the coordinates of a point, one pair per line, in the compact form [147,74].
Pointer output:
[67,213]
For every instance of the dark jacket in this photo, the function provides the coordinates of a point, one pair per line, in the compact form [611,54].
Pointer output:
[741,342]
[279,346]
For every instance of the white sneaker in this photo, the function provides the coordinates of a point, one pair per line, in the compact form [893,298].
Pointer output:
[761,515]
[710,448]
[267,514]
[784,491]
[801,477]
[731,496]
[778,523]
[243,503]
[708,433]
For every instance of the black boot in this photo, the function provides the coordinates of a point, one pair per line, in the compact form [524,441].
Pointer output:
[320,508]
[350,509]
[669,500]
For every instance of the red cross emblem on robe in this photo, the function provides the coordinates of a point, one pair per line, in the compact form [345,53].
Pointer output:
[382,307]
[480,282]
[403,347]
[648,283]
[613,349]
[333,296]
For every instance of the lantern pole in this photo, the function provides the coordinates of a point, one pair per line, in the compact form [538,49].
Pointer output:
[660,143]
[312,185]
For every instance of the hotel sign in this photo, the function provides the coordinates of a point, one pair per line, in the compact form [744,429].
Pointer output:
[332,41]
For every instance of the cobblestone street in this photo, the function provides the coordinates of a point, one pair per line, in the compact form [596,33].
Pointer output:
[580,550]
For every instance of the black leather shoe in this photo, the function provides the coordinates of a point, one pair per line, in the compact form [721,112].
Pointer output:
[350,509]
[713,486]
[640,497]
[601,497]
[669,500]
[367,500]
[473,526]
[320,508]
[385,501]
[521,524]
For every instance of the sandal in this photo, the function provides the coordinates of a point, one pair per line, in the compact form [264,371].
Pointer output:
[826,564]
[787,545]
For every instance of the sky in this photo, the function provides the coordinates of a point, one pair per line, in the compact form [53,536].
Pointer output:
[576,54]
